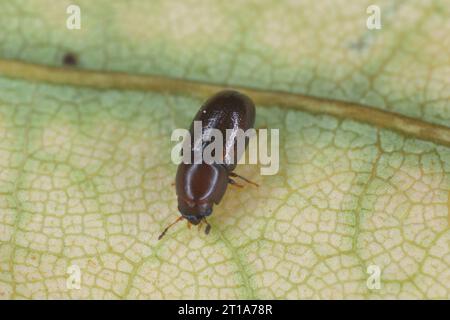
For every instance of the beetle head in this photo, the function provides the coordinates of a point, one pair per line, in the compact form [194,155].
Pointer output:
[194,212]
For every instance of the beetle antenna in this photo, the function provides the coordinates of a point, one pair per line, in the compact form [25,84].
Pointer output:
[208,226]
[168,227]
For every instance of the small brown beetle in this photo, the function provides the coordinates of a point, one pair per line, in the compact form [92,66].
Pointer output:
[200,186]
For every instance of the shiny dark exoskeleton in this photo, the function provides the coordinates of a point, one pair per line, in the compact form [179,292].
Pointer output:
[200,186]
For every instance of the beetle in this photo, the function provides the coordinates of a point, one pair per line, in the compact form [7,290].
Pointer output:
[199,186]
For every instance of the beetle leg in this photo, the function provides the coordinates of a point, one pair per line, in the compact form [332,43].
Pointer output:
[188,224]
[234,183]
[245,179]
[208,226]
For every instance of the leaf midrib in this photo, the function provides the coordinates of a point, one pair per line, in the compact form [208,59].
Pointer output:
[403,124]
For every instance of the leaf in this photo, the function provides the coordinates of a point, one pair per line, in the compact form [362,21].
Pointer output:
[86,175]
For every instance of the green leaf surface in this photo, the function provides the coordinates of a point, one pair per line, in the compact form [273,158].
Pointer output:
[85,169]
[320,48]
